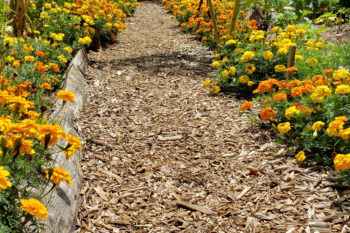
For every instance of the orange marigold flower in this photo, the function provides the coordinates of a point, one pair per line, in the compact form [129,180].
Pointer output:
[66,95]
[326,71]
[291,69]
[267,85]
[40,53]
[297,91]
[46,86]
[34,207]
[41,68]
[342,162]
[246,105]
[280,96]
[58,174]
[267,114]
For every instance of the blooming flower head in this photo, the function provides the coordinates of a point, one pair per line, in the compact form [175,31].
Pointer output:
[320,93]
[207,83]
[341,74]
[27,48]
[300,156]
[215,64]
[244,79]
[246,105]
[34,207]
[342,90]
[74,144]
[247,56]
[284,127]
[318,125]
[215,89]
[250,68]
[291,69]
[267,85]
[4,182]
[267,114]
[289,112]
[268,55]
[336,127]
[58,174]
[280,68]
[66,95]
[280,96]
[342,162]
[231,42]
[232,70]
[225,73]
[291,28]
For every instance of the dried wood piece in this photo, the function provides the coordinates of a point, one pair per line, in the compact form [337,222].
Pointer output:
[244,191]
[170,138]
[202,209]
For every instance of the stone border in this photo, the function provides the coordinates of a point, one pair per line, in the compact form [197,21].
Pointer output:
[63,202]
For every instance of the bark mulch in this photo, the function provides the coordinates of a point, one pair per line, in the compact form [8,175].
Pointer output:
[163,155]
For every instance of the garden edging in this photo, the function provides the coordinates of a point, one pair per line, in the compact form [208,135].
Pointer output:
[63,202]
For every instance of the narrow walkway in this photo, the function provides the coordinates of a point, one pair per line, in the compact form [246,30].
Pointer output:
[155,139]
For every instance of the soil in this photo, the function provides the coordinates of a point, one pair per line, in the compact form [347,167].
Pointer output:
[164,155]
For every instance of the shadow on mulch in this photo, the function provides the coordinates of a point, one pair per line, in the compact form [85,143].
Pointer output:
[168,64]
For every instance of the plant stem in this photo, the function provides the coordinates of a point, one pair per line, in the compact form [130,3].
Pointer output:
[213,19]
[235,15]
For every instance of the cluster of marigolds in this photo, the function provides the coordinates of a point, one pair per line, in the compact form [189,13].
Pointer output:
[30,69]
[308,112]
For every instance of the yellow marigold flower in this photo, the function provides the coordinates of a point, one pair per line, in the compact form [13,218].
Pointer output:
[345,134]
[66,95]
[300,156]
[68,49]
[29,58]
[27,48]
[215,89]
[34,207]
[207,83]
[247,56]
[62,59]
[291,28]
[280,68]
[276,29]
[342,162]
[284,127]
[244,79]
[250,83]
[74,144]
[283,50]
[10,58]
[16,63]
[336,127]
[320,93]
[82,41]
[47,5]
[319,44]
[289,112]
[231,42]
[232,70]
[309,44]
[268,55]
[342,90]
[58,174]
[225,73]
[299,57]
[87,40]
[300,32]
[318,125]
[4,183]
[246,105]
[250,68]
[215,64]
[341,74]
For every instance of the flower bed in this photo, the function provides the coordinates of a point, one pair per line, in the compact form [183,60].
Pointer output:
[310,110]
[32,69]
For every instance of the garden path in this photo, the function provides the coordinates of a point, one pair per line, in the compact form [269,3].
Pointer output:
[155,140]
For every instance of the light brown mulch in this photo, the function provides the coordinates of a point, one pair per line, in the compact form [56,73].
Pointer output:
[163,155]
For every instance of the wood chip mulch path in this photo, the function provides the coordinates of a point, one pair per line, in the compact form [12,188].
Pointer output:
[163,155]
